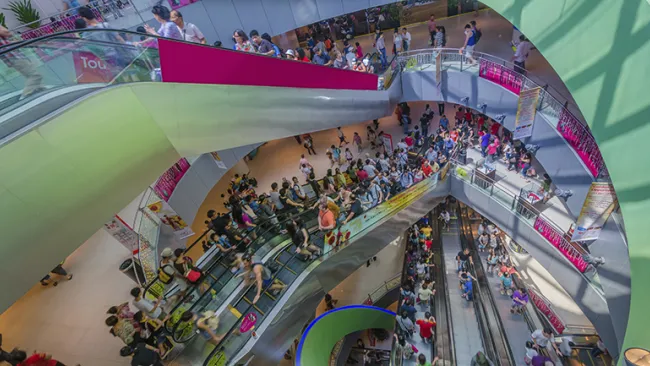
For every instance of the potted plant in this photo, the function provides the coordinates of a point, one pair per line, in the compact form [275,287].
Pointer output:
[2,20]
[25,13]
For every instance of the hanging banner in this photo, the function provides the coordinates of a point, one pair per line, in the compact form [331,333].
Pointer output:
[123,233]
[168,181]
[438,68]
[169,217]
[501,75]
[217,159]
[526,110]
[599,204]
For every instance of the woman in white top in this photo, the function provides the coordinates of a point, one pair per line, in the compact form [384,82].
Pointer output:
[397,42]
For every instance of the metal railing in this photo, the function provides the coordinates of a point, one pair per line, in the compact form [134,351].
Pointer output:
[532,217]
[65,20]
[573,129]
[382,290]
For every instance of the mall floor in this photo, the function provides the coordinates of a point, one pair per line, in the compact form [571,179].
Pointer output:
[67,320]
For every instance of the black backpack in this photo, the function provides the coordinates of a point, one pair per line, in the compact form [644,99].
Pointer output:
[478,34]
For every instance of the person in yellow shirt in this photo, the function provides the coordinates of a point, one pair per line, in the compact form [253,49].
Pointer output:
[426,231]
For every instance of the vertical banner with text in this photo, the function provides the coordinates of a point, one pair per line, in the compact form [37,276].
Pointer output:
[526,110]
[599,204]
[169,217]
[122,233]
[168,181]
[438,68]
[387,140]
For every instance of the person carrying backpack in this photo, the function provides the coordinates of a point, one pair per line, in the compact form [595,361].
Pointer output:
[255,270]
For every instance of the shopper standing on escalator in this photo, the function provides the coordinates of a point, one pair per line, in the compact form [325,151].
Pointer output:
[542,338]
[480,359]
[462,259]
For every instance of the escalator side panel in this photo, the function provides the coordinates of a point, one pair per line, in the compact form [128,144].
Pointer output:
[296,309]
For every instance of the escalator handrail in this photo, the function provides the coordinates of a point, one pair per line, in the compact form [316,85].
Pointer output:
[60,35]
[489,347]
[445,294]
[250,306]
[220,260]
[469,237]
[217,348]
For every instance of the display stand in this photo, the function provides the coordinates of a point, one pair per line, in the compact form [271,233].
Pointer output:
[486,175]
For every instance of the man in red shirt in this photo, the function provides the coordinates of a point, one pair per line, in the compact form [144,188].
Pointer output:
[362,175]
[460,114]
[426,326]
[468,115]
[426,169]
[481,122]
[494,129]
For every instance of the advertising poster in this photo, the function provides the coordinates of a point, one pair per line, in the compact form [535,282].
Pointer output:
[91,69]
[169,217]
[599,204]
[168,181]
[526,110]
[217,159]
[122,233]
[387,139]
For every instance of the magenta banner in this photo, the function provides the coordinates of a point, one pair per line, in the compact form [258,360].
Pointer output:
[190,63]
[168,181]
[581,141]
[546,308]
[501,75]
[556,238]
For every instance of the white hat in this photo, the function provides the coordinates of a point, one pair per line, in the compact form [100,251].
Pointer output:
[290,52]
[167,253]
[366,62]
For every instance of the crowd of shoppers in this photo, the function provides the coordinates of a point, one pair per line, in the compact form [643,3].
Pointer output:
[414,318]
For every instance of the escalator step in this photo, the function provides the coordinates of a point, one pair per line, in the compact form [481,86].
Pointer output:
[286,277]
[242,306]
[256,307]
[265,304]
[284,256]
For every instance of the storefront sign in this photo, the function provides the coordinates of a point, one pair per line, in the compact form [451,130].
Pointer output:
[526,110]
[169,217]
[123,233]
[556,238]
[582,142]
[91,68]
[168,181]
[546,308]
[599,204]
[217,159]
[501,75]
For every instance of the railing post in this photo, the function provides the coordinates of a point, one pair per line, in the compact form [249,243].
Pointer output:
[491,189]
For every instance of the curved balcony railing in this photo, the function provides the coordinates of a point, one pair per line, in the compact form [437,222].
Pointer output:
[530,216]
[573,129]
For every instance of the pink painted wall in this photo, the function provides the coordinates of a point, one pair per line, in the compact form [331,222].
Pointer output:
[187,63]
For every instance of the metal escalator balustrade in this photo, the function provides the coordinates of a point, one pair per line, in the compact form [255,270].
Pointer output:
[495,345]
[291,269]
[75,63]
[444,335]
[221,281]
